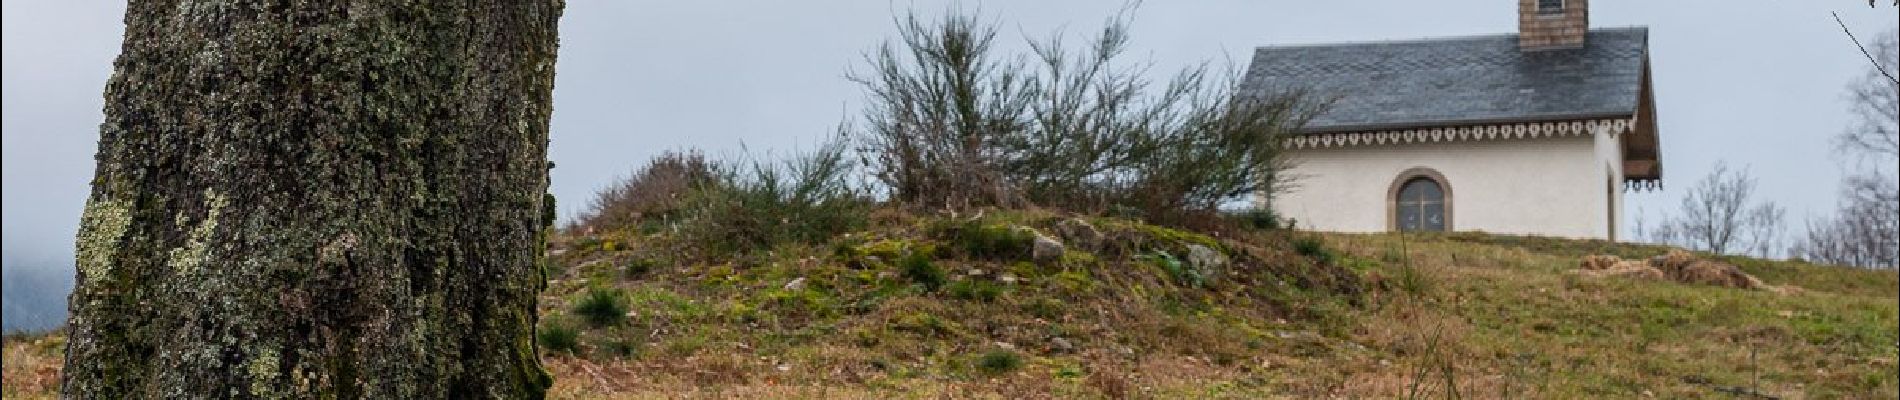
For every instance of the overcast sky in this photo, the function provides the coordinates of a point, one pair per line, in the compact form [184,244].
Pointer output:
[1756,83]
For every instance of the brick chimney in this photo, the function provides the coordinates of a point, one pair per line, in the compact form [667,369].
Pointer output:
[1552,24]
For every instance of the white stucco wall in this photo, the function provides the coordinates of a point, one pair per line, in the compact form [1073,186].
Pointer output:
[1609,152]
[1544,186]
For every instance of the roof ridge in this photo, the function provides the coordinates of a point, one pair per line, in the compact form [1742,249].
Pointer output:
[1431,39]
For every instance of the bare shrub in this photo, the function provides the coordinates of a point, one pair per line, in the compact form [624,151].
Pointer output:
[656,191]
[1864,232]
[1719,215]
[753,205]
[954,124]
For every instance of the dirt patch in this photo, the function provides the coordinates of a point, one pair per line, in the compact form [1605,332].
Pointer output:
[1676,266]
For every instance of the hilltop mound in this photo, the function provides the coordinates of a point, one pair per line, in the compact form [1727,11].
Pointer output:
[997,302]
[930,306]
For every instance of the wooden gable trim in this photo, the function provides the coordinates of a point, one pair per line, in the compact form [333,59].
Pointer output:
[1642,149]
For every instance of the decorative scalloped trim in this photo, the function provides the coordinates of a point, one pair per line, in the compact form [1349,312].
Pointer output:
[1461,133]
[1642,185]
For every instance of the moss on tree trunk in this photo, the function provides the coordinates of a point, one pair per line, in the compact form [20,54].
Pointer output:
[317,200]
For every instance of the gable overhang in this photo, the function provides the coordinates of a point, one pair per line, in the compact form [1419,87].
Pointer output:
[1642,148]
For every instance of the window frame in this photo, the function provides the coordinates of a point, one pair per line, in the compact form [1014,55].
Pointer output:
[1407,176]
[1559,9]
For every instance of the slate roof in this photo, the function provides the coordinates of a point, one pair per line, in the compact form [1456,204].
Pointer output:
[1454,81]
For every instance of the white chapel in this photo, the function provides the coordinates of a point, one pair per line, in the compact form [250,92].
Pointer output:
[1539,132]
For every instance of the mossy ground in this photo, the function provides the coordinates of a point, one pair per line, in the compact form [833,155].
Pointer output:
[1479,315]
[920,306]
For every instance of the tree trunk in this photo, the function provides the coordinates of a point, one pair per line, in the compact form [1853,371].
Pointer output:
[317,200]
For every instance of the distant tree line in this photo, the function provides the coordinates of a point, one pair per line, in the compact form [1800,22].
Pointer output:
[1865,229]
[1720,213]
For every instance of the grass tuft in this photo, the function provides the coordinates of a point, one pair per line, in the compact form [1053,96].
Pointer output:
[976,290]
[999,361]
[558,337]
[1314,247]
[602,307]
[992,240]
[919,268]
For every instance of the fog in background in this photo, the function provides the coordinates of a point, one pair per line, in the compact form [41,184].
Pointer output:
[1759,84]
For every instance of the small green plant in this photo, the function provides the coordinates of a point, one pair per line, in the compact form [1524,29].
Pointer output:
[1177,271]
[602,306]
[1259,218]
[620,347]
[1412,281]
[1045,308]
[924,324]
[1313,247]
[587,243]
[918,267]
[1392,255]
[977,290]
[999,361]
[558,337]
[798,303]
[639,267]
[687,345]
[993,240]
[1075,281]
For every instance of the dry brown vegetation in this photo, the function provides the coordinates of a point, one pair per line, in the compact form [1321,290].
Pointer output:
[654,192]
[1675,266]
[1476,315]
[32,366]
[1515,323]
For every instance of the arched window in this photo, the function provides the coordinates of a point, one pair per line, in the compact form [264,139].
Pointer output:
[1419,200]
[1421,206]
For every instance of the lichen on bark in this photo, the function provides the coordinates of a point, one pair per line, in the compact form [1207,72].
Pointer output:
[317,200]
[101,226]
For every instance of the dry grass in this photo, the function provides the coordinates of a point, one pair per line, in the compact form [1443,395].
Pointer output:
[32,364]
[1515,324]
[1464,316]
[1109,376]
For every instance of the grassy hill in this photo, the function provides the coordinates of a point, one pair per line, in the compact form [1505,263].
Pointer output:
[917,307]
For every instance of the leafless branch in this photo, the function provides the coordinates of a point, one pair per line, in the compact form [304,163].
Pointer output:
[1863,49]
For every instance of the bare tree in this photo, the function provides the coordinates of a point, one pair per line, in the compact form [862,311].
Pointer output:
[1719,215]
[1876,98]
[1865,230]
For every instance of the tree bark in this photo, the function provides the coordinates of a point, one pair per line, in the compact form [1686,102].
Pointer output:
[317,200]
